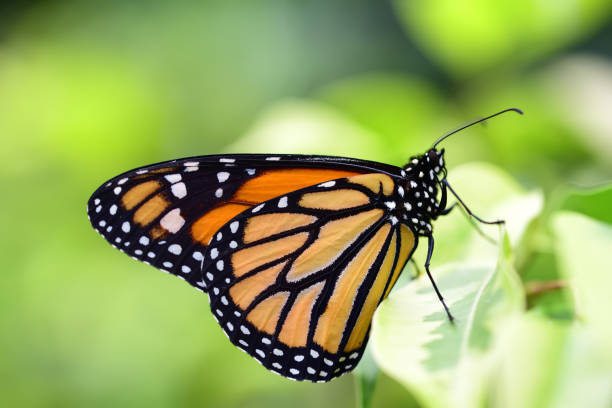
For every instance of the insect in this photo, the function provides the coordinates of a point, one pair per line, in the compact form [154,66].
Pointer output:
[295,252]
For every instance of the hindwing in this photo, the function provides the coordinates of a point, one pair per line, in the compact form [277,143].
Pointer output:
[294,281]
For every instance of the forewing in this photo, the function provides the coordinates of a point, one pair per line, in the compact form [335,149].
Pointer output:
[166,214]
[295,280]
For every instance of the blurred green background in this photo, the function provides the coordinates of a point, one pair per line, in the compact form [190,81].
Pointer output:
[91,89]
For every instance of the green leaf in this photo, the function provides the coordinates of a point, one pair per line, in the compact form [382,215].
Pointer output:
[529,353]
[441,364]
[547,364]
[583,248]
[592,202]
[366,375]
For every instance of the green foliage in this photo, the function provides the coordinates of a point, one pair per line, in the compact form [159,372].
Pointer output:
[470,36]
[499,354]
[91,89]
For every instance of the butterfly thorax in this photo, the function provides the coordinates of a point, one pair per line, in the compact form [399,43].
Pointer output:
[421,202]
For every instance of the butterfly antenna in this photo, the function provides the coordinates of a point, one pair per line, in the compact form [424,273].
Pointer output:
[473,123]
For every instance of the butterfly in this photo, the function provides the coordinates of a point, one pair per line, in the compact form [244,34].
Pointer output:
[294,251]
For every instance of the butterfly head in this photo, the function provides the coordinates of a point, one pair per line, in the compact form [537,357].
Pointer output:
[422,183]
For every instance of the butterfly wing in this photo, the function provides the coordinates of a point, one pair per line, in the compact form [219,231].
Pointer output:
[295,280]
[166,214]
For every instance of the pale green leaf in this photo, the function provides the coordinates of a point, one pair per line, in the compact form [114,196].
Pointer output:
[441,364]
[528,353]
[583,250]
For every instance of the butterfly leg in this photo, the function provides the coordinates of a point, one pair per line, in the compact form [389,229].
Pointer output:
[465,207]
[470,220]
[430,246]
[448,209]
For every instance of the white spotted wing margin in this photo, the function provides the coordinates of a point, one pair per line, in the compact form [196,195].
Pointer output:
[148,212]
[261,276]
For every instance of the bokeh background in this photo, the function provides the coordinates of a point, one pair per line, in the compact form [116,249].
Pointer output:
[91,89]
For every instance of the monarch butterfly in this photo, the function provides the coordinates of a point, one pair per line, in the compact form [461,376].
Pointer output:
[295,252]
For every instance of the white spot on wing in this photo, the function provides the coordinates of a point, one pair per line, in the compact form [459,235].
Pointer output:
[175,249]
[125,227]
[234,227]
[179,190]
[214,253]
[222,176]
[173,178]
[173,221]
[282,203]
[219,192]
[226,160]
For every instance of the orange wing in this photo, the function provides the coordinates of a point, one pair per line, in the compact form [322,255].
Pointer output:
[295,280]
